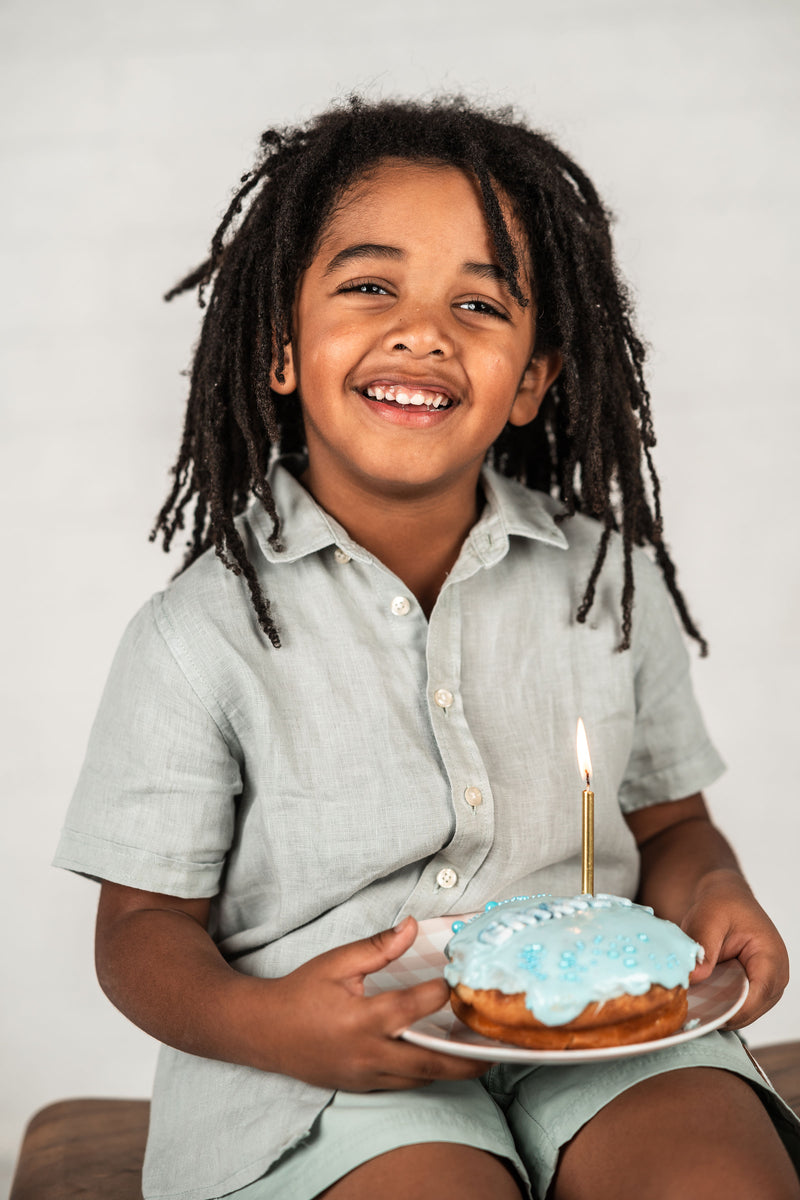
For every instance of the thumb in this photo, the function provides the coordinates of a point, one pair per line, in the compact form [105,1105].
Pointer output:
[711,941]
[373,953]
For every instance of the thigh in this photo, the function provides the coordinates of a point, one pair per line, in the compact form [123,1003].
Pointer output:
[428,1171]
[548,1107]
[698,1132]
[371,1144]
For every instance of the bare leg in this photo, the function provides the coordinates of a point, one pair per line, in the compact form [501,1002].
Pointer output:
[697,1132]
[428,1171]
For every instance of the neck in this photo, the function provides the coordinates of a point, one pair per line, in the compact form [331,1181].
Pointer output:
[417,536]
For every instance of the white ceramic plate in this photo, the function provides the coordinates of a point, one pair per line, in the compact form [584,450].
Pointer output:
[711,1004]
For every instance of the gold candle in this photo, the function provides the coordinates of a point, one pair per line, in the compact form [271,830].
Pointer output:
[585,767]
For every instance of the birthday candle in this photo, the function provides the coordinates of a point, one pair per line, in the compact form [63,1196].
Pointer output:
[585,767]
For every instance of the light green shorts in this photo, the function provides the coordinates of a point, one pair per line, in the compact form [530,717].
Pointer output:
[521,1114]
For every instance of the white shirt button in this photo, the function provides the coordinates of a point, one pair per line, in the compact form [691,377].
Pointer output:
[341,555]
[447,877]
[443,698]
[400,606]
[473,796]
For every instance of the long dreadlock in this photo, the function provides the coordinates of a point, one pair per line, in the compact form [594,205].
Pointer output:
[594,428]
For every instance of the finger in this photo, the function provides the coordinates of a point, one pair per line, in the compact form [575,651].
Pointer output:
[427,1066]
[357,959]
[711,939]
[393,1012]
[702,971]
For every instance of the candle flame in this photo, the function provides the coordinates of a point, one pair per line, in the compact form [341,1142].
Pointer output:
[584,761]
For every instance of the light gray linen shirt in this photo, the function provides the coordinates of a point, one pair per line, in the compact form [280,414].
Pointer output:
[378,764]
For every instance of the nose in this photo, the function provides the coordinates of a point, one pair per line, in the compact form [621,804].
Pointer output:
[418,331]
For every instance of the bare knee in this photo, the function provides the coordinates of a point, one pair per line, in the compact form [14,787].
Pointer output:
[420,1170]
[695,1132]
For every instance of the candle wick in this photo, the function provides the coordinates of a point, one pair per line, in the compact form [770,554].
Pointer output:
[588,780]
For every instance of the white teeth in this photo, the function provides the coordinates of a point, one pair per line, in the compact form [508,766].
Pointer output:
[398,396]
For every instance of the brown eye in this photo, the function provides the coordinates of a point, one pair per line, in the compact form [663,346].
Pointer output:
[483,308]
[366,289]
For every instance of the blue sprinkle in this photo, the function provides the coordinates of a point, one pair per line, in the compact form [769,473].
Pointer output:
[491,904]
[643,937]
[528,958]
[630,962]
[579,946]
[613,954]
[456,926]
[629,949]
[598,939]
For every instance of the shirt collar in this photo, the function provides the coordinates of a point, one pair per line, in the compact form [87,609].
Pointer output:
[305,527]
[513,510]
[510,509]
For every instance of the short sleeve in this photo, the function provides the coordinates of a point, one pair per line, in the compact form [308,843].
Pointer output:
[672,755]
[154,805]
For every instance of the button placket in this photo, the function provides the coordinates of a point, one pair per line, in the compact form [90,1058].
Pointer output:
[452,869]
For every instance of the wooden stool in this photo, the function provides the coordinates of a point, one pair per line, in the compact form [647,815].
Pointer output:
[93,1149]
[84,1149]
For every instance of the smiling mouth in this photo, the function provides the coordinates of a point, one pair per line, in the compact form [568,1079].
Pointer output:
[404,397]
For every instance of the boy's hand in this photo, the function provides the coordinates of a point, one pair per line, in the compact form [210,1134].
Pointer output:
[729,923]
[324,1030]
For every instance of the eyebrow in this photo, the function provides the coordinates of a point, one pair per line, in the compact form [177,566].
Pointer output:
[365,250]
[360,251]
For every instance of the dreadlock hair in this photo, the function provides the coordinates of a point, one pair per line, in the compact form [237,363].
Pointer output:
[594,429]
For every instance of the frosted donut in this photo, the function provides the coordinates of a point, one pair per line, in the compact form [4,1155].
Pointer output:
[557,973]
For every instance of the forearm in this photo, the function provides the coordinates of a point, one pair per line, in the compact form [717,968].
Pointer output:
[680,862]
[163,971]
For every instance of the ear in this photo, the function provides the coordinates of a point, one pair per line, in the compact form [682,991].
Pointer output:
[289,382]
[539,374]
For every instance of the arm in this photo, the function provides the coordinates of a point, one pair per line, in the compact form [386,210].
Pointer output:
[689,875]
[157,963]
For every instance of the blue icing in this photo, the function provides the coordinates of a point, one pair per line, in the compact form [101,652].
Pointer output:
[541,946]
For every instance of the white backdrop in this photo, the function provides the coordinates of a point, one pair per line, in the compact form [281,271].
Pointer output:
[124,129]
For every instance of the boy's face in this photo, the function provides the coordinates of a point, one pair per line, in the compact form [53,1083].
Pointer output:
[408,353]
